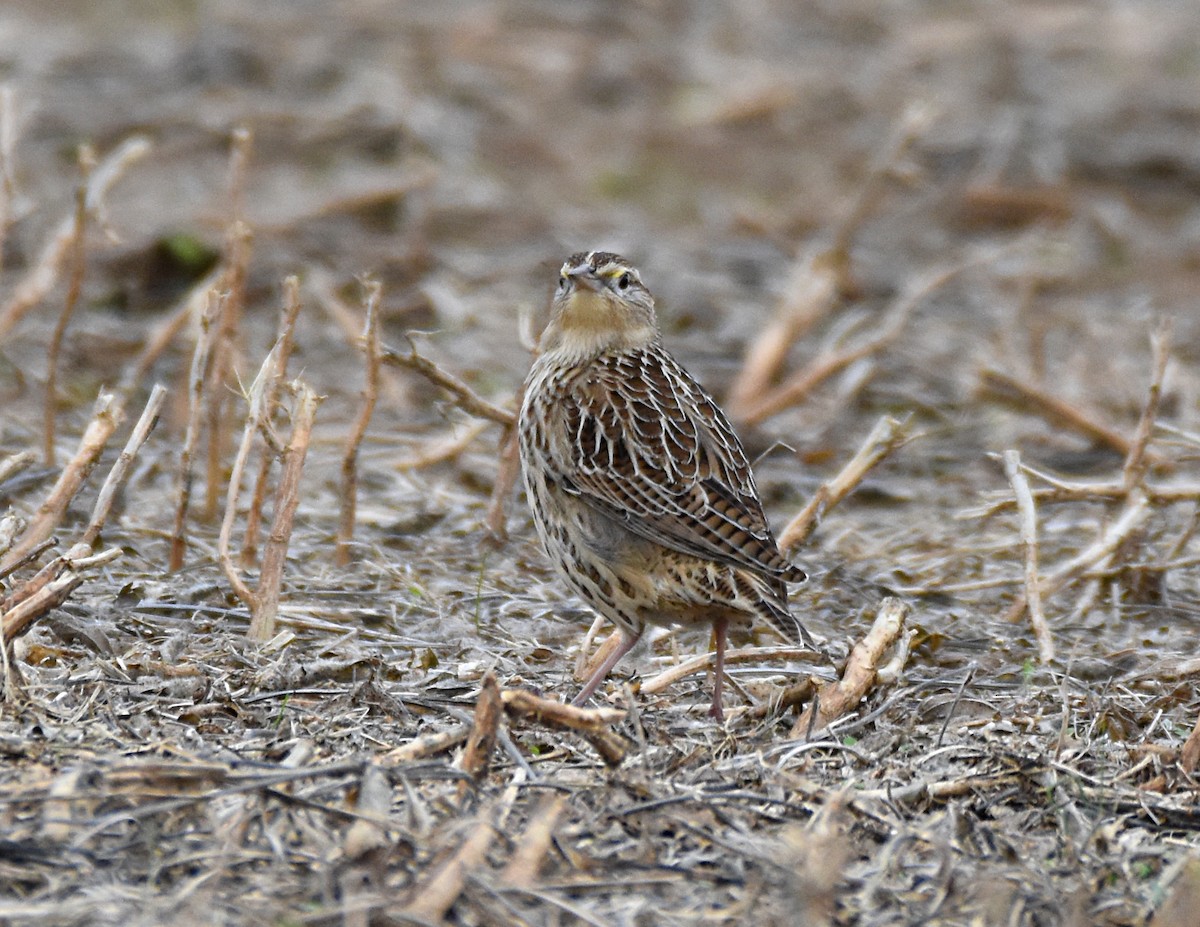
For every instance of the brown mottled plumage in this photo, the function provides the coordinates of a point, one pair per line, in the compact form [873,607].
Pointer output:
[641,491]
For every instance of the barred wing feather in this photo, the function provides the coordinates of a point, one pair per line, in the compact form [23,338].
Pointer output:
[645,444]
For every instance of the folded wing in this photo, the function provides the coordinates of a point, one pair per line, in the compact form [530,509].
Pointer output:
[646,445]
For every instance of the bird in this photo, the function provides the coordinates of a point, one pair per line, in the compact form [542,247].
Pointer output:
[641,492]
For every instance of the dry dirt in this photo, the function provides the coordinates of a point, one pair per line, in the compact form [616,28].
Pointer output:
[155,767]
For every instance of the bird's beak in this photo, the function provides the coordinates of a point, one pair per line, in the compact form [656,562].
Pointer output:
[584,278]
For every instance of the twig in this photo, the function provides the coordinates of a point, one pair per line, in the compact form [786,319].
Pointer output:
[287,497]
[10,527]
[1189,755]
[106,416]
[357,202]
[8,147]
[893,671]
[591,723]
[809,296]
[507,474]
[529,331]
[354,439]
[39,580]
[464,397]
[77,248]
[815,856]
[444,449]
[1032,322]
[106,174]
[196,384]
[1057,411]
[233,284]
[1179,545]
[527,706]
[365,847]
[191,306]
[220,367]
[15,463]
[77,557]
[509,469]
[522,869]
[1178,891]
[817,278]
[1137,507]
[1187,437]
[1134,471]
[41,277]
[120,469]
[369,833]
[285,339]
[321,285]
[887,435]
[913,123]
[705,661]
[834,699]
[477,755]
[13,525]
[432,898]
[793,696]
[469,401]
[800,384]
[240,149]
[256,403]
[585,666]
[1093,562]
[922,791]
[1081,491]
[52,586]
[1029,540]
[427,745]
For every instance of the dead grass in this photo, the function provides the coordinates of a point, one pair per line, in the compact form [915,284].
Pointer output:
[991,471]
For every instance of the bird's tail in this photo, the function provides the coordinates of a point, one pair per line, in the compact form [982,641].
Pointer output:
[772,598]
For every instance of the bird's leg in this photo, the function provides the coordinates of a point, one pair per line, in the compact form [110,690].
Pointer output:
[720,626]
[627,642]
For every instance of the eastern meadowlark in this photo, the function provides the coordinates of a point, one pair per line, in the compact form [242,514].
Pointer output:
[641,492]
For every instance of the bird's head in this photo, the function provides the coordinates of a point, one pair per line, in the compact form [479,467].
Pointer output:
[600,304]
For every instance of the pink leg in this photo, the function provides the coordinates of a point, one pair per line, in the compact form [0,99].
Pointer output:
[627,642]
[720,625]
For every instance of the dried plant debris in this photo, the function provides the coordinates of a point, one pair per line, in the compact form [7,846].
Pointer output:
[268,666]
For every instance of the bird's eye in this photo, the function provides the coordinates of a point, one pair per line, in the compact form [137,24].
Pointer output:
[624,281]
[562,282]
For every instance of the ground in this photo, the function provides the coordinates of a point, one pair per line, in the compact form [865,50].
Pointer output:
[1035,160]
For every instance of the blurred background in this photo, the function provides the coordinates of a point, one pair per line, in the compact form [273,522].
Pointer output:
[458,150]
